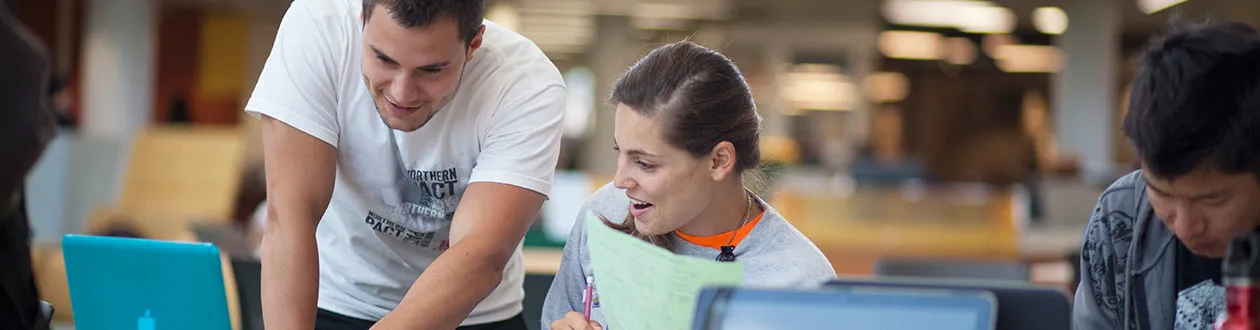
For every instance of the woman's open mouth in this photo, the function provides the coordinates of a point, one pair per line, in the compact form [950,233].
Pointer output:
[639,208]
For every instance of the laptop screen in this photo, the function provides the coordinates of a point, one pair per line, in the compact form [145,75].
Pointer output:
[859,309]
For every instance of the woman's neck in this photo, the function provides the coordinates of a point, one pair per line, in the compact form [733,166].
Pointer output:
[728,210]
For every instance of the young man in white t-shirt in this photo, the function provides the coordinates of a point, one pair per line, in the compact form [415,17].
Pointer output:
[409,145]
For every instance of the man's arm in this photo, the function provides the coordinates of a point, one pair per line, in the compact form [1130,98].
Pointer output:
[300,170]
[489,224]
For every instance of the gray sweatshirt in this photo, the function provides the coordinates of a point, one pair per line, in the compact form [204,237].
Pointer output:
[774,254]
[1128,269]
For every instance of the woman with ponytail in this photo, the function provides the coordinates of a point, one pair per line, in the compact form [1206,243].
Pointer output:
[687,133]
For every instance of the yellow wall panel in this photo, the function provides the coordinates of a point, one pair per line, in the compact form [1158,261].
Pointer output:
[221,67]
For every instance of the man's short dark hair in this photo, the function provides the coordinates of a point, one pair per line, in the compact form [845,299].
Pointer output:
[1196,101]
[468,14]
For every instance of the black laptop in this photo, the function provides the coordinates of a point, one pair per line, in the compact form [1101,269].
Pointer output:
[1021,306]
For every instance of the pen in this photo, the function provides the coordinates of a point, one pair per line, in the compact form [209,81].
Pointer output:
[588,297]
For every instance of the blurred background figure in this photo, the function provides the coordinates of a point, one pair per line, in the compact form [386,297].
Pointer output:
[62,100]
[26,126]
[906,137]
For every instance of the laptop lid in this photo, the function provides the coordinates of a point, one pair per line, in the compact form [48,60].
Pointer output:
[1021,306]
[127,283]
[866,308]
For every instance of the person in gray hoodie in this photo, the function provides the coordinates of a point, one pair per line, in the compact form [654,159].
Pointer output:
[1150,257]
[686,131]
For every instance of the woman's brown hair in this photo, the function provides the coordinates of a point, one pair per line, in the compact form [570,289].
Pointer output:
[700,98]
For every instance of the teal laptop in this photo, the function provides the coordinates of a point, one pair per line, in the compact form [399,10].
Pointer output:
[126,283]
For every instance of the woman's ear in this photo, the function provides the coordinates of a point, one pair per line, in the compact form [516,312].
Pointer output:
[723,159]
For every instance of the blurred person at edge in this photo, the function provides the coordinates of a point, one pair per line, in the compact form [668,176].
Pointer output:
[1151,252]
[26,126]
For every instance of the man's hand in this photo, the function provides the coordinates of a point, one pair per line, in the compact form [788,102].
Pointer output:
[300,173]
[489,224]
[575,321]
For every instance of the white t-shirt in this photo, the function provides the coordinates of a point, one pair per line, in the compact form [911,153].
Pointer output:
[383,228]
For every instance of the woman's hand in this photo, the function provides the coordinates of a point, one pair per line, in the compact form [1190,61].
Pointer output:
[575,321]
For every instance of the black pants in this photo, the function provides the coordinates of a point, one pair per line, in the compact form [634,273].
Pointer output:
[325,320]
[19,300]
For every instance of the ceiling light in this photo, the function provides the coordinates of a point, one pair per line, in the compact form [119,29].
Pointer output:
[1153,6]
[985,19]
[1050,20]
[819,87]
[910,45]
[921,13]
[968,16]
[1029,58]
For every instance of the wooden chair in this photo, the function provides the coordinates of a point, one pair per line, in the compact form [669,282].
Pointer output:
[178,175]
[175,176]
